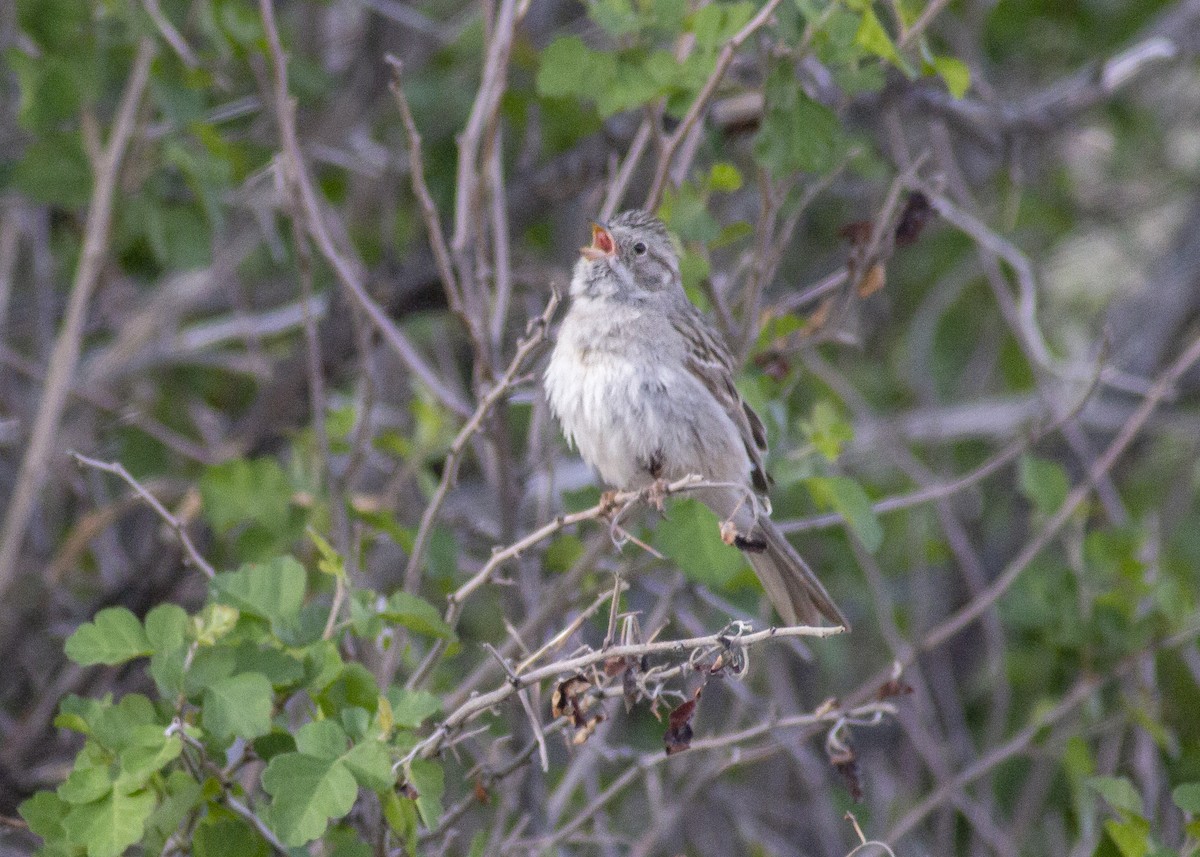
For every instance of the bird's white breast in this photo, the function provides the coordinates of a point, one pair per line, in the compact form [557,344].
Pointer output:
[590,386]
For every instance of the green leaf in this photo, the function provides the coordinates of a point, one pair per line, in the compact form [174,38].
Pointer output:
[107,827]
[213,622]
[871,36]
[183,794]
[428,778]
[54,169]
[685,211]
[167,662]
[308,792]
[411,708]
[417,614]
[797,133]
[569,69]
[240,491]
[724,177]
[954,73]
[166,627]
[1044,482]
[113,637]
[148,751]
[1131,836]
[324,739]
[44,813]
[228,836]
[239,706]
[90,780]
[371,765]
[331,562]
[690,535]
[1119,792]
[116,726]
[272,590]
[616,17]
[694,270]
[827,431]
[281,668]
[49,90]
[1187,797]
[716,23]
[848,499]
[401,815]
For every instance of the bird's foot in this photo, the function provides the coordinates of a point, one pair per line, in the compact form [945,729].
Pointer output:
[608,503]
[656,492]
[731,536]
[749,545]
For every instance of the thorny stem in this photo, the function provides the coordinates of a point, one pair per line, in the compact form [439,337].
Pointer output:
[178,526]
[721,640]
[65,356]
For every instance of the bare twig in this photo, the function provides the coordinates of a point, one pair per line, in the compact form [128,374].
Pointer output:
[614,506]
[118,469]
[932,493]
[720,641]
[673,141]
[1133,426]
[869,712]
[1022,740]
[170,34]
[416,169]
[922,23]
[534,337]
[65,357]
[347,272]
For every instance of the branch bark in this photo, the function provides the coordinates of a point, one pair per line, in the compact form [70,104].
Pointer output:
[64,360]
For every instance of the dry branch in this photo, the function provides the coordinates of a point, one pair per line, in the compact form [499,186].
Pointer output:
[43,432]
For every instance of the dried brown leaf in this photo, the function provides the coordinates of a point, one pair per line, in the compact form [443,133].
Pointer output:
[916,215]
[482,795]
[678,736]
[872,281]
[857,232]
[820,316]
[893,687]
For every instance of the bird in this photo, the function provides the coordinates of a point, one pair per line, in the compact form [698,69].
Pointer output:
[642,385]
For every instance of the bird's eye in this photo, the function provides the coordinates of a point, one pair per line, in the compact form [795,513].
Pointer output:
[639,248]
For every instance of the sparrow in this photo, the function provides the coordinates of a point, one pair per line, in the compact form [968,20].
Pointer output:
[643,387]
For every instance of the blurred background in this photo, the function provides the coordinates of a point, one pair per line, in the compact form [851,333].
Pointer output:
[955,245]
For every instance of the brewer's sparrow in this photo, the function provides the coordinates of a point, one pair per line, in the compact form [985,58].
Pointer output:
[643,386]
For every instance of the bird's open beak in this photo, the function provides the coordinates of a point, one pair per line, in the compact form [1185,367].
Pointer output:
[602,244]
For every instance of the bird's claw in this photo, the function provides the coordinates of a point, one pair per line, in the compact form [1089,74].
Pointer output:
[608,503]
[656,492]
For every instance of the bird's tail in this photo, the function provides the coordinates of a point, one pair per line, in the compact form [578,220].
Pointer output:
[790,584]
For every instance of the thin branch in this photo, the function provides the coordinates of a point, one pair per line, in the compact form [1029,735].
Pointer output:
[721,641]
[534,337]
[574,625]
[65,357]
[613,506]
[1133,426]
[170,34]
[346,271]
[676,138]
[869,712]
[257,823]
[180,528]
[923,21]
[467,196]
[633,157]
[1022,740]
[931,493]
[416,169]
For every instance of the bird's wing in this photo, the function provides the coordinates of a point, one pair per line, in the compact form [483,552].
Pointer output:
[710,361]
